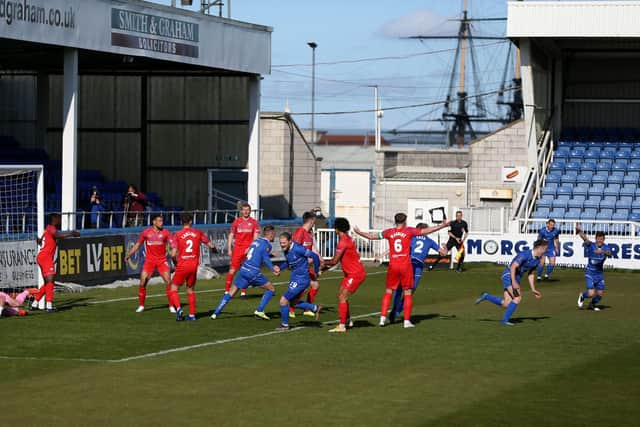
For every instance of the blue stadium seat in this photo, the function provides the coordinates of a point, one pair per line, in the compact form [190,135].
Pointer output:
[623,204]
[596,189]
[626,198]
[592,203]
[557,213]
[608,153]
[635,154]
[541,213]
[549,189]
[635,216]
[561,155]
[604,215]
[557,166]
[564,190]
[631,178]
[623,154]
[588,214]
[633,167]
[608,204]
[581,190]
[569,179]
[592,153]
[572,166]
[604,166]
[576,203]
[620,216]
[600,178]
[615,179]
[635,205]
[620,166]
[588,167]
[560,202]
[573,214]
[584,178]
[612,190]
[553,177]
[628,190]
[545,203]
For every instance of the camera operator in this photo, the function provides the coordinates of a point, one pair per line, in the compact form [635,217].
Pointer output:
[96,207]
[133,204]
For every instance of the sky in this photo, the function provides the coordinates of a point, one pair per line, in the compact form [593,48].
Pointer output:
[350,32]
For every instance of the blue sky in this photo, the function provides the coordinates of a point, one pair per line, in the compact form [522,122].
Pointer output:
[360,29]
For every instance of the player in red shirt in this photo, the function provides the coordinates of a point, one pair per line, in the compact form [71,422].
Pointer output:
[244,230]
[48,243]
[304,236]
[354,273]
[400,272]
[186,256]
[155,239]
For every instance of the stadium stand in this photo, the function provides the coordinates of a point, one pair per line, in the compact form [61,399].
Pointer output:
[594,176]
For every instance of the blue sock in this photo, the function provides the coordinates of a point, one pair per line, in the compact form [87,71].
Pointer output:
[509,311]
[550,269]
[585,294]
[398,301]
[495,300]
[539,271]
[596,299]
[306,306]
[284,314]
[265,299]
[224,301]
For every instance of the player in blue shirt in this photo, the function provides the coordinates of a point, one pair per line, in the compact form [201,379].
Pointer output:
[420,246]
[596,254]
[550,234]
[250,273]
[523,263]
[297,260]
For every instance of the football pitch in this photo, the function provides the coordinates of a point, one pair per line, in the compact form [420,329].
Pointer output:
[96,362]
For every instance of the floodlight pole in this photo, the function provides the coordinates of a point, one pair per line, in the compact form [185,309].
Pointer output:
[313,46]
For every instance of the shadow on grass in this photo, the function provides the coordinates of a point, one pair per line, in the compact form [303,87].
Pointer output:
[80,302]
[518,319]
[422,317]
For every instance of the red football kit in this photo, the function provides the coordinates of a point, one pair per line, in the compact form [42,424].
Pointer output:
[47,251]
[244,232]
[400,272]
[155,245]
[354,273]
[187,241]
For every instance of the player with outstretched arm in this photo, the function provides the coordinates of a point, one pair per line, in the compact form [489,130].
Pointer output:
[524,262]
[597,253]
[155,239]
[45,260]
[297,260]
[259,253]
[185,253]
[399,273]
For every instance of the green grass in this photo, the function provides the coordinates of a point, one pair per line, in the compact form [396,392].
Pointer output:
[459,366]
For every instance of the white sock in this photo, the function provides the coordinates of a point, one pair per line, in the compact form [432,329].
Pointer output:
[1,308]
[383,319]
[49,305]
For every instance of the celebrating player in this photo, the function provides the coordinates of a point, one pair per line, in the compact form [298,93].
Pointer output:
[523,263]
[259,253]
[354,273]
[10,306]
[186,255]
[596,254]
[457,235]
[304,236]
[244,230]
[48,243]
[550,234]
[399,272]
[155,239]
[297,261]
[420,246]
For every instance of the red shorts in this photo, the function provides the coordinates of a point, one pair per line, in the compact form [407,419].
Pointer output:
[400,275]
[185,273]
[151,265]
[353,282]
[237,258]
[46,266]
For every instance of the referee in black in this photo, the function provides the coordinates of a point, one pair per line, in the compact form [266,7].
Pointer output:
[458,231]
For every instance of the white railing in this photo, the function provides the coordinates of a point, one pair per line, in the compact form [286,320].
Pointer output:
[610,228]
[370,250]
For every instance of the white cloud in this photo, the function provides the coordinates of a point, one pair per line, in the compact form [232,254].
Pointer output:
[421,22]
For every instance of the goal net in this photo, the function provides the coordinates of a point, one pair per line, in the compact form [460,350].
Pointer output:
[21,222]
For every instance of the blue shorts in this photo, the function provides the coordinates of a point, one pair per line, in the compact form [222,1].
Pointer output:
[594,281]
[551,250]
[506,280]
[418,266]
[297,286]
[246,278]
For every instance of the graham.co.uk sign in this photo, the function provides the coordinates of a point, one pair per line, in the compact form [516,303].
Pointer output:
[625,252]
[154,33]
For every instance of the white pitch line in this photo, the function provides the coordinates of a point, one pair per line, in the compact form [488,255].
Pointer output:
[54,359]
[208,290]
[225,341]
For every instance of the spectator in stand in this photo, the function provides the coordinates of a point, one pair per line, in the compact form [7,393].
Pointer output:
[133,204]
[321,221]
[96,208]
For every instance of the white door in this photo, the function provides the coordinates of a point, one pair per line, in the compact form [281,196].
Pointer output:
[428,211]
[353,196]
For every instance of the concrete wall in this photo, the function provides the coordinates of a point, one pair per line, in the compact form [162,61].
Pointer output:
[289,179]
[505,147]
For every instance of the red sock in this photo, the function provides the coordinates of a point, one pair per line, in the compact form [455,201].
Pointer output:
[175,299]
[142,294]
[292,310]
[167,290]
[408,304]
[41,292]
[192,304]
[311,297]
[227,283]
[386,302]
[343,312]
[48,292]
[348,311]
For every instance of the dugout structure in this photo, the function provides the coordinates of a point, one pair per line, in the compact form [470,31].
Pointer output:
[144,93]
